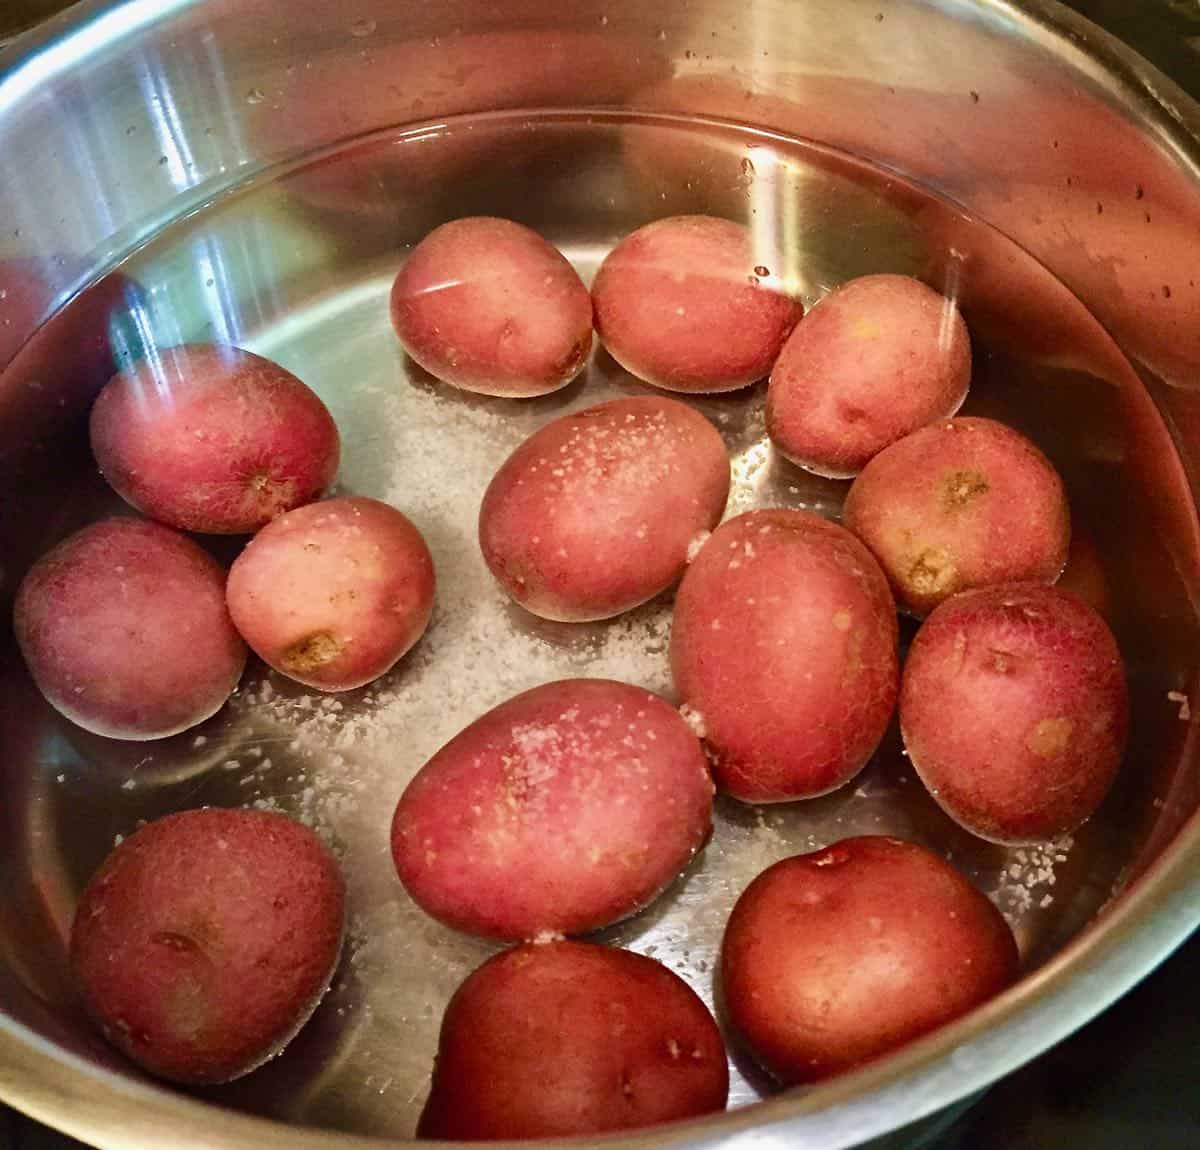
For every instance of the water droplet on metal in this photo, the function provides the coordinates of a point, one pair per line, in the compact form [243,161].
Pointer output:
[255,96]
[762,271]
[363,28]
[747,167]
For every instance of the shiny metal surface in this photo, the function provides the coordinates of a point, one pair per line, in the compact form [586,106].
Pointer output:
[183,126]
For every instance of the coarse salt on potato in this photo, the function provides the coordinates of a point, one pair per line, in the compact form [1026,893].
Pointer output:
[564,809]
[595,513]
[784,651]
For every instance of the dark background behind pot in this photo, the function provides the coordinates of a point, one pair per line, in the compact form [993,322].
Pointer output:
[1132,1077]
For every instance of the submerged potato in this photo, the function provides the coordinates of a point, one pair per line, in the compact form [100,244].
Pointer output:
[594,513]
[834,958]
[333,594]
[213,439]
[562,810]
[783,649]
[489,306]
[206,939]
[563,1038]
[877,358]
[1014,711]
[124,629]
[965,503]
[681,303]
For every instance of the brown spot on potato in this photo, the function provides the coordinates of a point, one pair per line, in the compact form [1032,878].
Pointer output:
[932,573]
[1002,662]
[310,653]
[1050,737]
[962,487]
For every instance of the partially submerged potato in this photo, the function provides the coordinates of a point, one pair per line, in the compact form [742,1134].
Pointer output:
[562,1038]
[489,306]
[206,939]
[965,503]
[783,649]
[682,304]
[333,594]
[562,810]
[877,358]
[212,438]
[838,957]
[124,629]
[1014,711]
[595,513]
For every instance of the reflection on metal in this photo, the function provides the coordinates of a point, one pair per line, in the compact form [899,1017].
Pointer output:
[97,32]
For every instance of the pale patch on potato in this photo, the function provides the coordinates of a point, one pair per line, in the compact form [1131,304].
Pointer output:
[1050,737]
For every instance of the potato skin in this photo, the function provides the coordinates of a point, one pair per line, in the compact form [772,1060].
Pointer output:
[214,439]
[1014,711]
[594,513]
[837,957]
[562,810]
[124,629]
[489,306]
[962,504]
[333,594]
[784,644]
[877,358]
[679,304]
[562,1038]
[206,939]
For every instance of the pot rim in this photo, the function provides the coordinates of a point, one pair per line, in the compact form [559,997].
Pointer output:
[1136,932]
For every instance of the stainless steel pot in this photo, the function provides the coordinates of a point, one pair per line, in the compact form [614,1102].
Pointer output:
[119,120]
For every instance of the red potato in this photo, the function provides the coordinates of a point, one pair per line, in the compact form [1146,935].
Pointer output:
[680,304]
[1014,711]
[124,629]
[213,439]
[783,649]
[554,1039]
[560,811]
[489,306]
[206,939]
[962,504]
[595,513]
[333,594]
[838,957]
[877,358]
